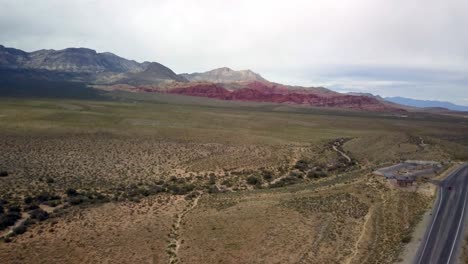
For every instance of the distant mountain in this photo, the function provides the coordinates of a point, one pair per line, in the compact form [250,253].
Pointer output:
[67,60]
[85,65]
[224,75]
[426,103]
[154,73]
[70,73]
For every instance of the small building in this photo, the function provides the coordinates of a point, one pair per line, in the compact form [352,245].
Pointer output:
[404,181]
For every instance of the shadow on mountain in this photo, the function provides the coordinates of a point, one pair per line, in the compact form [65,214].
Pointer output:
[45,84]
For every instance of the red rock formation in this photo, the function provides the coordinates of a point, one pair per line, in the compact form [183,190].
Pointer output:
[275,93]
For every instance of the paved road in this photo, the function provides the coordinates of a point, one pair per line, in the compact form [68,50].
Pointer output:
[441,244]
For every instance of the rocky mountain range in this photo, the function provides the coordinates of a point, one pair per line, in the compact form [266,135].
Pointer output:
[110,72]
[86,65]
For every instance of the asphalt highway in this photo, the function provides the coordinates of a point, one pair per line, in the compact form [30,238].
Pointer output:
[444,234]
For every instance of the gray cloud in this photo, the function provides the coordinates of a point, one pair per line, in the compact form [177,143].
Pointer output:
[388,47]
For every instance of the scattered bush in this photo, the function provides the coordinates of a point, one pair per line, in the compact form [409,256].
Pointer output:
[181,189]
[9,219]
[75,200]
[285,181]
[267,175]
[213,189]
[212,179]
[45,196]
[296,174]
[301,165]
[39,214]
[252,180]
[30,207]
[71,192]
[3,173]
[406,239]
[314,174]
[14,209]
[28,200]
[19,229]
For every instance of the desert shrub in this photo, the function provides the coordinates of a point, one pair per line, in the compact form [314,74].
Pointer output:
[39,214]
[227,183]
[296,174]
[406,239]
[3,173]
[213,189]
[181,189]
[8,219]
[71,192]
[156,189]
[50,180]
[267,175]
[212,179]
[75,200]
[30,207]
[191,195]
[285,181]
[301,165]
[253,180]
[173,178]
[46,198]
[314,174]
[14,209]
[28,200]
[19,229]
[53,203]
[144,192]
[29,222]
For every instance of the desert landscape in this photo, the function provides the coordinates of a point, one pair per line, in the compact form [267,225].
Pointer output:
[235,132]
[198,182]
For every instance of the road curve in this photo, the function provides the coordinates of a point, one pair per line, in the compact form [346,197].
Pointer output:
[441,242]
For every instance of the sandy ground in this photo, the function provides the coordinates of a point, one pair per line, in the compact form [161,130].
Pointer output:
[409,253]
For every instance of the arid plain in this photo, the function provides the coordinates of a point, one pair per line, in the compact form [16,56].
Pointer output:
[174,179]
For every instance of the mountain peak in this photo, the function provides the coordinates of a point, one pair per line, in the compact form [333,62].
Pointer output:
[224,75]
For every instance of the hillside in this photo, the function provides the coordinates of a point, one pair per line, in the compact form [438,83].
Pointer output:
[224,75]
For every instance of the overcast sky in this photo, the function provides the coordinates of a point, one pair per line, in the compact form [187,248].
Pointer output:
[411,48]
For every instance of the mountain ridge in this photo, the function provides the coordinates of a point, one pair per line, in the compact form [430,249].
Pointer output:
[434,104]
[224,74]
[109,71]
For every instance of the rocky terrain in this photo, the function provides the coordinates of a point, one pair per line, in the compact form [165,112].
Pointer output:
[267,92]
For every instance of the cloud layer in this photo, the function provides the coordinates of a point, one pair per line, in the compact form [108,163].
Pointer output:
[409,48]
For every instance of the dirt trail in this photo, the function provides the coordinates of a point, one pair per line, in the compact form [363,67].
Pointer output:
[341,153]
[361,237]
[174,235]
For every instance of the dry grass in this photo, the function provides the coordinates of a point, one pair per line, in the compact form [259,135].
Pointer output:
[116,152]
